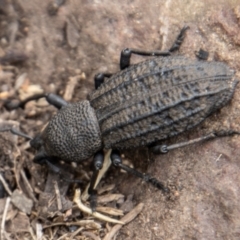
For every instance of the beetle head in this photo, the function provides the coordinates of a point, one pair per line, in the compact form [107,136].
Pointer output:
[73,134]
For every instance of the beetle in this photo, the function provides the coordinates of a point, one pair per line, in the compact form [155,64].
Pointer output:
[140,105]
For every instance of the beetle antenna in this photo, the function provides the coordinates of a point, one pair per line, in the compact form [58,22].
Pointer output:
[51,98]
[16,132]
[59,170]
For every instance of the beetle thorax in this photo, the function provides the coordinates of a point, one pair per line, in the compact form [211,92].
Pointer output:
[73,134]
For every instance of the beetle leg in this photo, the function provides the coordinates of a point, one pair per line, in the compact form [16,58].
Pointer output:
[52,99]
[117,162]
[106,164]
[54,166]
[202,54]
[177,43]
[99,79]
[165,148]
[97,163]
[126,53]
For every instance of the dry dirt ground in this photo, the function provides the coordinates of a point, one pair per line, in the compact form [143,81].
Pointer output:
[53,46]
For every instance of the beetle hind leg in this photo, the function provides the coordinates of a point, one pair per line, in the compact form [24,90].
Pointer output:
[177,43]
[157,149]
[126,53]
[99,79]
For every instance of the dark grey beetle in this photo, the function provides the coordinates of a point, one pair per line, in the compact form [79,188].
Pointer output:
[139,106]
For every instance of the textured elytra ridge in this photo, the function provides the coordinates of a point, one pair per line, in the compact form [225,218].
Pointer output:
[73,133]
[159,98]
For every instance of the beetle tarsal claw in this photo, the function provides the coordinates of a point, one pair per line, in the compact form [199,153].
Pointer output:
[82,207]
[164,148]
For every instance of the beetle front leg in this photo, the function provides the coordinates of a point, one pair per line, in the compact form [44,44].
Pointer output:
[157,149]
[97,163]
[51,98]
[53,165]
[106,164]
[126,53]
[117,162]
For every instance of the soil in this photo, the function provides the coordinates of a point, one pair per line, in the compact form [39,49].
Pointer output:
[58,46]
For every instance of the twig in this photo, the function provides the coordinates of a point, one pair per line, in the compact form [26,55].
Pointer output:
[106,188]
[39,231]
[71,86]
[91,223]
[110,197]
[29,187]
[5,185]
[106,164]
[91,235]
[8,200]
[76,232]
[32,234]
[87,210]
[110,211]
[126,219]
[64,236]
[58,196]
